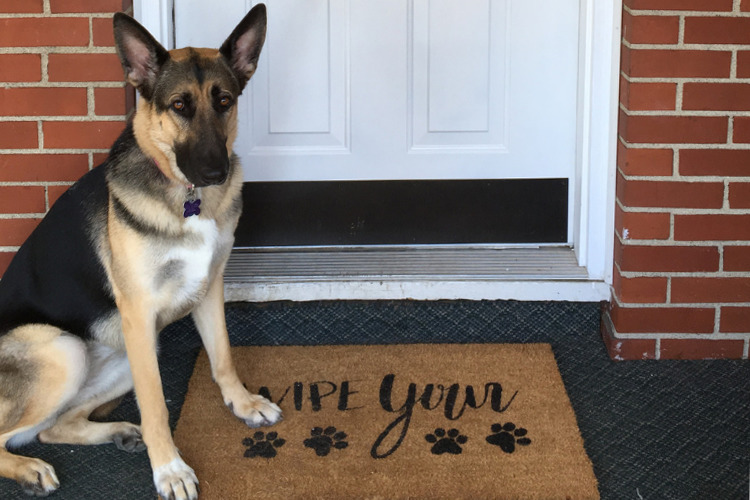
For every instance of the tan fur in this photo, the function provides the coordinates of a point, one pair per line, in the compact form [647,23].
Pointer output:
[184,53]
[57,376]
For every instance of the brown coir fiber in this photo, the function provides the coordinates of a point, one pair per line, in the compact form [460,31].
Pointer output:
[387,422]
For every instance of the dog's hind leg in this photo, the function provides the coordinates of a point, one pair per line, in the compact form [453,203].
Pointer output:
[41,371]
[108,379]
[104,410]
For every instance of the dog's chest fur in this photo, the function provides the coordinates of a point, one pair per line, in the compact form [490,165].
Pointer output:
[182,271]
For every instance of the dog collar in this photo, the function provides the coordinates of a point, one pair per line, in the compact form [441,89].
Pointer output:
[192,203]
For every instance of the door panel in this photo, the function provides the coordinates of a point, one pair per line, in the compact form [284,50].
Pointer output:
[458,68]
[300,99]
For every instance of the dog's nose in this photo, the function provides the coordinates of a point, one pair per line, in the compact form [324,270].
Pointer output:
[214,176]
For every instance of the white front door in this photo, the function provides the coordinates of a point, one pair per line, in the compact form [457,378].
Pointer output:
[432,89]
[397,89]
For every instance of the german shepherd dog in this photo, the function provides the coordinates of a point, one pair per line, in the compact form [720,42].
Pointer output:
[135,244]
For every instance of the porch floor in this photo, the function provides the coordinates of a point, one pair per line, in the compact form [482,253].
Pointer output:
[664,429]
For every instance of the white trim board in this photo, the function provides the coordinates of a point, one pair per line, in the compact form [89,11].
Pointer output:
[573,291]
[598,95]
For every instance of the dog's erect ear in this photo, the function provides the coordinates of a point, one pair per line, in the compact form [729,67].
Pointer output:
[140,54]
[242,48]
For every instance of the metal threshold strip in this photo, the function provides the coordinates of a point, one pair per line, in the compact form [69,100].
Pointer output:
[366,264]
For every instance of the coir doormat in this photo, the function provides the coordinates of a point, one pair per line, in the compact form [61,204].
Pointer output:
[388,422]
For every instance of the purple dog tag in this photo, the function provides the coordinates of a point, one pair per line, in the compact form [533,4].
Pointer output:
[192,208]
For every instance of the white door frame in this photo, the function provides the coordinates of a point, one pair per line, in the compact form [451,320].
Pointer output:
[597,112]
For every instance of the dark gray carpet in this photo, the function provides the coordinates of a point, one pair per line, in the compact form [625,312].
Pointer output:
[654,430]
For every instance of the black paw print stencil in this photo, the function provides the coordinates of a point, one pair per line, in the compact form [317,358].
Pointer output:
[324,440]
[507,436]
[263,445]
[446,442]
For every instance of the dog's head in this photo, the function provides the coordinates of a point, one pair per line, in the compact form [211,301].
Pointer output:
[188,114]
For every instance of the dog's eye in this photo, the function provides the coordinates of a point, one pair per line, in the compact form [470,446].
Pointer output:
[178,105]
[225,101]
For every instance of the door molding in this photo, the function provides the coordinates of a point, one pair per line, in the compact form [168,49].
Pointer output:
[156,16]
[596,148]
[593,192]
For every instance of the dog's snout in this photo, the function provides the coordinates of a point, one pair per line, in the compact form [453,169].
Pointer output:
[204,164]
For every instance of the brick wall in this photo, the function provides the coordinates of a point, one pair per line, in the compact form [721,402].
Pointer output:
[62,104]
[682,243]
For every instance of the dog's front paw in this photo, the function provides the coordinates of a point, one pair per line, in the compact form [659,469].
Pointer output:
[176,481]
[255,410]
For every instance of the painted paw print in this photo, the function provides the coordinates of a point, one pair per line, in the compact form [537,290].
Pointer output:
[323,441]
[507,436]
[446,442]
[263,445]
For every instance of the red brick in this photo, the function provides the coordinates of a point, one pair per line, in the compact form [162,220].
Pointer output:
[673,194]
[649,96]
[739,195]
[99,158]
[642,225]
[650,29]
[663,319]
[5,258]
[715,162]
[719,30]
[22,199]
[113,101]
[674,129]
[81,135]
[639,290]
[716,96]
[54,192]
[18,135]
[102,32]
[678,63]
[637,161]
[704,290]
[638,258]
[741,128]
[743,64]
[67,6]
[720,227]
[42,167]
[745,5]
[20,67]
[736,258]
[13,232]
[701,349]
[735,320]
[698,5]
[626,349]
[84,68]
[43,102]
[22,6]
[44,31]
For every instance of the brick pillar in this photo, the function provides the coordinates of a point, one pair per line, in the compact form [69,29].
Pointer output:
[682,258]
[62,104]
